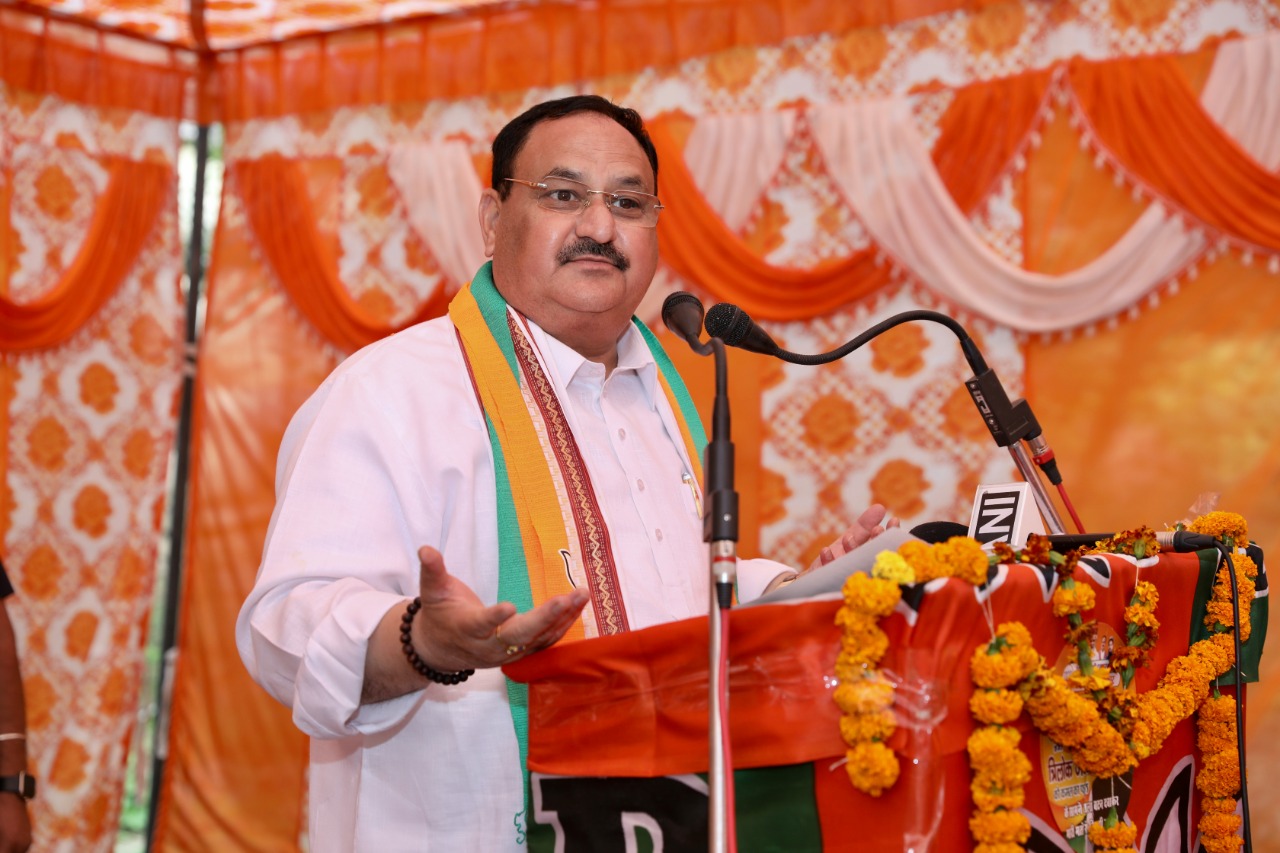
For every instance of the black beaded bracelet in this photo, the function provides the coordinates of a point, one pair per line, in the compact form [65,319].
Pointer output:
[419,665]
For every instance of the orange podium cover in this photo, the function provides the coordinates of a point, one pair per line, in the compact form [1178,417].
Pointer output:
[618,725]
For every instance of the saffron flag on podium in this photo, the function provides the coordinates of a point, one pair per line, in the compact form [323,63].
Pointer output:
[618,725]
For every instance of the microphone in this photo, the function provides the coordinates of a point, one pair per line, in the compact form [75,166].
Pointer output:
[939,531]
[736,328]
[1179,541]
[682,314]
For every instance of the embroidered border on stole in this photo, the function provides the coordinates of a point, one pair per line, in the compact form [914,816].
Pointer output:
[593,534]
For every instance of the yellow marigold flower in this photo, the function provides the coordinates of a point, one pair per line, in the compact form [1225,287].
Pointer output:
[1073,597]
[1146,591]
[856,728]
[866,696]
[891,566]
[1120,835]
[995,706]
[1223,525]
[998,848]
[872,767]
[1005,827]
[871,595]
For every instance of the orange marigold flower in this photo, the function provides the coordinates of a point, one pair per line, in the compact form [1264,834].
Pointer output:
[988,799]
[1220,774]
[1120,835]
[856,728]
[872,767]
[871,595]
[1073,597]
[920,556]
[1223,525]
[1218,805]
[964,559]
[865,645]
[1095,682]
[865,696]
[998,848]
[1006,660]
[992,749]
[995,706]
[1005,827]
[1036,550]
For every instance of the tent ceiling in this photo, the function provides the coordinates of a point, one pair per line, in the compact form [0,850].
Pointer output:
[230,24]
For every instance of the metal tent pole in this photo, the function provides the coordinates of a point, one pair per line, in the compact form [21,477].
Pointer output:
[178,507]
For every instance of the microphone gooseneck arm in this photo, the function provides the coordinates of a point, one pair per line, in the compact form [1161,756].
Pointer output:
[1010,423]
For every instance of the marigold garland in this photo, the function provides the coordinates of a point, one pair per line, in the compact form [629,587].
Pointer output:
[863,694]
[1106,730]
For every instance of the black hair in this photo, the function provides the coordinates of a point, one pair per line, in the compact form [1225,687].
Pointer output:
[509,141]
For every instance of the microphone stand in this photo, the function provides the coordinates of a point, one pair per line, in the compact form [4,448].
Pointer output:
[682,313]
[1023,460]
[720,530]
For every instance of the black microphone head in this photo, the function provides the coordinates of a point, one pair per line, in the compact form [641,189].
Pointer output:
[728,322]
[939,531]
[673,303]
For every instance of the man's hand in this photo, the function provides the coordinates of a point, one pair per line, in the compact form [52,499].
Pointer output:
[868,526]
[15,825]
[455,630]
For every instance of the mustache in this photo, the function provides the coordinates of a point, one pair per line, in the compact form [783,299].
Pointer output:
[587,246]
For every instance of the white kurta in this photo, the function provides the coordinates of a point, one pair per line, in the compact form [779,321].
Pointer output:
[389,454]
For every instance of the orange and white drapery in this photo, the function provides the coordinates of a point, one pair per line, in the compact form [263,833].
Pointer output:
[90,360]
[331,235]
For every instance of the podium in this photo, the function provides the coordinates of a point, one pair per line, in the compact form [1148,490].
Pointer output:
[618,725]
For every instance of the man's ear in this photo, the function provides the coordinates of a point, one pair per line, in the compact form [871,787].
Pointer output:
[490,207]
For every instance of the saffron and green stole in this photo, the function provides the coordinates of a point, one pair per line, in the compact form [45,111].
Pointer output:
[551,533]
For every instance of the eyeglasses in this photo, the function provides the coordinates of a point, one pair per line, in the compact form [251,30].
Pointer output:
[566,196]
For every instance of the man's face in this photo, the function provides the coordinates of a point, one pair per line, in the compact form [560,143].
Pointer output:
[578,276]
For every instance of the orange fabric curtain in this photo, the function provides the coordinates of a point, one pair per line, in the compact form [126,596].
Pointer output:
[123,221]
[985,127]
[1146,114]
[91,68]
[504,48]
[699,246]
[279,208]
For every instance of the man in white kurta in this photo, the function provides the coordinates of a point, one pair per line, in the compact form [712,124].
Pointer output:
[386,492]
